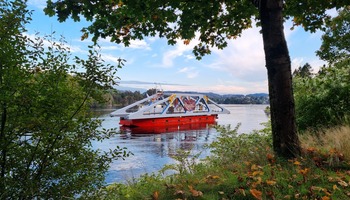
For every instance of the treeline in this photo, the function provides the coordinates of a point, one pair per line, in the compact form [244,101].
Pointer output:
[120,98]
[115,98]
[243,99]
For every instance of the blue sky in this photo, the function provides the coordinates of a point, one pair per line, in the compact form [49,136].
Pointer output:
[238,69]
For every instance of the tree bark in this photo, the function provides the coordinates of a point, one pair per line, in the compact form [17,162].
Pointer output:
[285,139]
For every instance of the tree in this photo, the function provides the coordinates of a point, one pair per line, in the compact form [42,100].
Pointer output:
[304,71]
[323,100]
[213,23]
[45,129]
[336,40]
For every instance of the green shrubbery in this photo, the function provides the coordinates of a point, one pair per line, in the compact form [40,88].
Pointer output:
[46,132]
[322,101]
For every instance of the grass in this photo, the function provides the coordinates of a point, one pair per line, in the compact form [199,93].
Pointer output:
[244,167]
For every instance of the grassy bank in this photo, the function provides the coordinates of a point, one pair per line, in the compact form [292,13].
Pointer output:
[244,167]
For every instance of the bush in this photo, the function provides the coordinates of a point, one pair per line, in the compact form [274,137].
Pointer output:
[323,101]
[233,147]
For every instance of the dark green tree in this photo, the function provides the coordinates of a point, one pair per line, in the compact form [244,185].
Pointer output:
[46,133]
[304,71]
[322,101]
[214,22]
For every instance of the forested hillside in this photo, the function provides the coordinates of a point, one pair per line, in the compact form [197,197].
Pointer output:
[115,98]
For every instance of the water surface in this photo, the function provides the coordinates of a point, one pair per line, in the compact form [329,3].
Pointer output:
[153,151]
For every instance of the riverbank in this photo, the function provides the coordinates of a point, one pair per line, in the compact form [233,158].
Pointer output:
[242,166]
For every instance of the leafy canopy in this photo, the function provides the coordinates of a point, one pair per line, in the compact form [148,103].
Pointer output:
[336,40]
[212,22]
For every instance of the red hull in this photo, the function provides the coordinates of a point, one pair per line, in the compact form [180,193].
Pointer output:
[168,121]
[165,129]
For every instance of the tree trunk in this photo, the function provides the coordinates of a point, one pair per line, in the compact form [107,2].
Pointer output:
[285,139]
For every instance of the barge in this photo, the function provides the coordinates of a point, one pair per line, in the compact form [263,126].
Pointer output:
[170,109]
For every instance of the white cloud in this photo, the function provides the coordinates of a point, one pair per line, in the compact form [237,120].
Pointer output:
[110,48]
[223,88]
[190,72]
[139,44]
[134,44]
[115,59]
[243,58]
[190,57]
[296,63]
[179,50]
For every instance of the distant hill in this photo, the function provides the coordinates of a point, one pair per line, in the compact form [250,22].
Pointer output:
[123,96]
[132,89]
[258,95]
[256,98]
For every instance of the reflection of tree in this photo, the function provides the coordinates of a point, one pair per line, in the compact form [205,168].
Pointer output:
[167,144]
[189,140]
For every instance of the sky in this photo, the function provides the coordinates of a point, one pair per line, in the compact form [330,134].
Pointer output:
[237,69]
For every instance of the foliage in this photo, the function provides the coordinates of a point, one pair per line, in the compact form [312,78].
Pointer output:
[45,130]
[263,176]
[185,162]
[322,100]
[304,71]
[233,147]
[113,97]
[240,99]
[336,40]
[211,24]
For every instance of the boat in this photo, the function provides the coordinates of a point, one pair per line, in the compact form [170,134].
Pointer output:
[166,128]
[170,109]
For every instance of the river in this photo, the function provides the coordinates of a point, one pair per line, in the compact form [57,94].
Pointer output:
[153,151]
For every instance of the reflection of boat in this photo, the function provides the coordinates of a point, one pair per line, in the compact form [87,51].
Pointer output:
[170,109]
[166,128]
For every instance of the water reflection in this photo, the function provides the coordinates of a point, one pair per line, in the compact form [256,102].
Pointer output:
[153,148]
[153,151]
